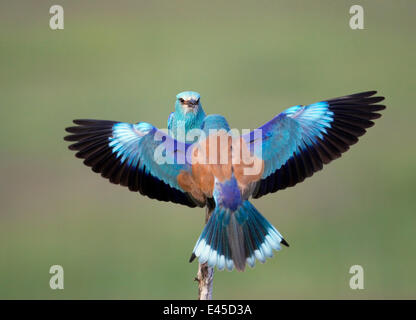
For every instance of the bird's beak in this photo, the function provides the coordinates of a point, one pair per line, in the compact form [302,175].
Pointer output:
[192,103]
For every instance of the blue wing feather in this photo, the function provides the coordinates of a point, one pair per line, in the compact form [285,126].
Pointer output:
[297,142]
[170,122]
[127,154]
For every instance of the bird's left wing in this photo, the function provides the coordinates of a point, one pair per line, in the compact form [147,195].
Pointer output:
[170,120]
[138,156]
[297,142]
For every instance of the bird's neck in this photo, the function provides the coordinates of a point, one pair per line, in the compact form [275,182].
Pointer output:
[186,122]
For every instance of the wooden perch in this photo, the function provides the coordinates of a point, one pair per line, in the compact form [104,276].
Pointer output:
[205,275]
[205,278]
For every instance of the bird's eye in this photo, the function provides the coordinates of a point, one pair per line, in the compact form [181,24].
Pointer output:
[181,100]
[197,101]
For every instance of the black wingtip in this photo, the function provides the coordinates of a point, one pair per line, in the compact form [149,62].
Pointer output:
[284,242]
[85,121]
[192,258]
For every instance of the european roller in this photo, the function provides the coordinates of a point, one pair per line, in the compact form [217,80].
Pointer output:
[169,167]
[188,115]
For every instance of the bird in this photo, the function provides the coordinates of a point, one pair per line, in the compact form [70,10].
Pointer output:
[188,115]
[281,153]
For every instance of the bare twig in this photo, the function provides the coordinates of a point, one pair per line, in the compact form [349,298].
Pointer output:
[205,275]
[205,278]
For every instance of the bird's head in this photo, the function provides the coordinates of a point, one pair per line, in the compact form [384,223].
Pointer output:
[188,101]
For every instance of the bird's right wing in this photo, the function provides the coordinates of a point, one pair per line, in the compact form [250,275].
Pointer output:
[135,155]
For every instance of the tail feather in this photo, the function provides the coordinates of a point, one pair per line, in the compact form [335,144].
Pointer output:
[236,238]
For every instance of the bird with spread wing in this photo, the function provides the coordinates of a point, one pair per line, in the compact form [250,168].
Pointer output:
[286,150]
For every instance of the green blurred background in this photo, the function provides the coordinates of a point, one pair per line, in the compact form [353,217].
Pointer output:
[126,60]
